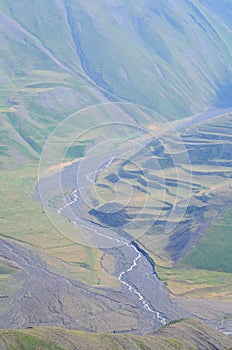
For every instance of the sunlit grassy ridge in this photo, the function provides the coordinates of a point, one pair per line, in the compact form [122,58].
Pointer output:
[185,334]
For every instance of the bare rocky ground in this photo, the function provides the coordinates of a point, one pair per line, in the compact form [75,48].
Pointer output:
[44,297]
[143,279]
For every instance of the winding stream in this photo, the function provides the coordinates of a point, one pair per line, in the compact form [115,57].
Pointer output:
[147,307]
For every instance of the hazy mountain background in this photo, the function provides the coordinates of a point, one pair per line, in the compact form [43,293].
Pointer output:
[58,56]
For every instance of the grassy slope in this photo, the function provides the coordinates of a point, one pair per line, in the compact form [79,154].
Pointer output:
[164,32]
[24,220]
[157,51]
[185,334]
[205,271]
[197,283]
[51,76]
[214,250]
[38,92]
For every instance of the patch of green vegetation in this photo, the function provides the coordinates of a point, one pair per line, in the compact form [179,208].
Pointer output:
[84,265]
[6,268]
[227,317]
[214,249]
[141,345]
[196,282]
[175,343]
[194,275]
[76,151]
[27,341]
[56,200]
[27,132]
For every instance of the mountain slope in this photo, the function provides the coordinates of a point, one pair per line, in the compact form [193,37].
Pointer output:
[185,334]
[173,57]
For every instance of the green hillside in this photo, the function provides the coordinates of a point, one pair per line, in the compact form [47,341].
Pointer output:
[172,57]
[214,250]
[185,334]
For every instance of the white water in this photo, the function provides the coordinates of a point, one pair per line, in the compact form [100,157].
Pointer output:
[75,198]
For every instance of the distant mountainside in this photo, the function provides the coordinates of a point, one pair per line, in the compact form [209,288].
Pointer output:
[184,334]
[57,56]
